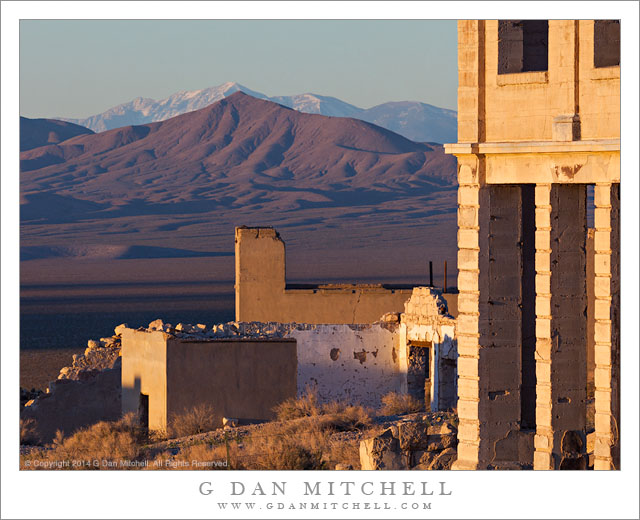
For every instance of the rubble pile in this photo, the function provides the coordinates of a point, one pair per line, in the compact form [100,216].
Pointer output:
[420,442]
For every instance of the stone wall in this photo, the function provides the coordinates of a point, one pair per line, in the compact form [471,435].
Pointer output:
[85,393]
[262,293]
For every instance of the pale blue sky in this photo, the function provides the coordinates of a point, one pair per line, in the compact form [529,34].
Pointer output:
[77,68]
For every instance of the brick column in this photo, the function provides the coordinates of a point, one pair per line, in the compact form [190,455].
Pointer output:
[560,326]
[607,325]
[469,206]
[543,440]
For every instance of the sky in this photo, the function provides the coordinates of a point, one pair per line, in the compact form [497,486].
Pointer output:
[78,68]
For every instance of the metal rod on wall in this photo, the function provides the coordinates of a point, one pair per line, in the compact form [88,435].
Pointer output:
[445,277]
[430,273]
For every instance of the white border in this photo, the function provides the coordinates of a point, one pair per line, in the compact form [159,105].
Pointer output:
[175,494]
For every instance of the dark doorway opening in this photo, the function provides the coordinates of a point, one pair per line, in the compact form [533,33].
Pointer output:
[419,371]
[143,411]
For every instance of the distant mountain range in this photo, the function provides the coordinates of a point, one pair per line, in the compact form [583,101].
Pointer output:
[41,132]
[416,121]
[186,181]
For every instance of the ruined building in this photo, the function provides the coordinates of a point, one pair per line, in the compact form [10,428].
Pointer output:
[244,369]
[262,293]
[538,122]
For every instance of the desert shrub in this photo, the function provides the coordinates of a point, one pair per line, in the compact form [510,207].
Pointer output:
[28,431]
[108,443]
[274,449]
[395,403]
[342,452]
[294,408]
[343,417]
[199,419]
[335,415]
[290,455]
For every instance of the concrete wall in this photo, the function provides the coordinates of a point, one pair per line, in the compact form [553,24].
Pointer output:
[355,363]
[242,379]
[263,295]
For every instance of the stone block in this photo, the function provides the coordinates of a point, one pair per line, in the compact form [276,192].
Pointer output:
[467,324]
[543,374]
[602,377]
[601,448]
[543,218]
[382,453]
[602,218]
[468,387]
[602,355]
[603,425]
[467,217]
[602,330]
[602,286]
[468,431]
[468,196]
[542,442]
[543,284]
[468,239]
[542,460]
[603,400]
[543,262]
[544,347]
[467,367]
[543,416]
[467,409]
[602,308]
[543,194]
[467,302]
[543,240]
[422,460]
[413,436]
[443,428]
[444,459]
[602,241]
[468,455]
[466,174]
[602,195]
[543,328]
[543,307]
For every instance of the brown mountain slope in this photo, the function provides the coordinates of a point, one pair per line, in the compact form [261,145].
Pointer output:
[232,152]
[42,132]
[340,190]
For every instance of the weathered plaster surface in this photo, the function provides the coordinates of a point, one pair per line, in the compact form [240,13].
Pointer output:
[358,364]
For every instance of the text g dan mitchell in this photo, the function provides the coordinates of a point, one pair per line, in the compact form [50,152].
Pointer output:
[342,488]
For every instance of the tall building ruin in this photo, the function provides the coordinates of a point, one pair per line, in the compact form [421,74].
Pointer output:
[538,122]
